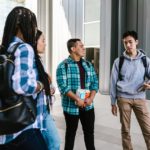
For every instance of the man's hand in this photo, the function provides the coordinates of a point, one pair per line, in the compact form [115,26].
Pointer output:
[80,103]
[90,98]
[114,110]
[146,86]
[88,101]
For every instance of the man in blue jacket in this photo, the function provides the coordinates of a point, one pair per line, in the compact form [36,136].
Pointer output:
[76,73]
[128,84]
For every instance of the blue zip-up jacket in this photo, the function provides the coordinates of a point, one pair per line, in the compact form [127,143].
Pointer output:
[132,72]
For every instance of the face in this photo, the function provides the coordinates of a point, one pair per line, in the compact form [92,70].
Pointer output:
[79,49]
[130,44]
[41,44]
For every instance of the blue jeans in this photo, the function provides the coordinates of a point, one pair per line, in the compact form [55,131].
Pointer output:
[51,135]
[31,139]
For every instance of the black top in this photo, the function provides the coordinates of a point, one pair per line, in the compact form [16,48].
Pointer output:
[82,74]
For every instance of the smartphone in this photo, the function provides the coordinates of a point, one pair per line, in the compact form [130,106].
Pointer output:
[140,89]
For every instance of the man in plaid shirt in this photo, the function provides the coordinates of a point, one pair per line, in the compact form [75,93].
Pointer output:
[72,74]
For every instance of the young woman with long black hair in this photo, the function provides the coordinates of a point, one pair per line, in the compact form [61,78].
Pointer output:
[50,134]
[29,77]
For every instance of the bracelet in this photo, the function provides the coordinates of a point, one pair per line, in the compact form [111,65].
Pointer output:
[41,85]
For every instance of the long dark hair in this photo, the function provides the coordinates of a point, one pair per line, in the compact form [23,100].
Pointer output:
[45,78]
[38,34]
[23,20]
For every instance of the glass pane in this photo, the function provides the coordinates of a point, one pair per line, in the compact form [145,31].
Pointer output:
[92,34]
[7,5]
[92,10]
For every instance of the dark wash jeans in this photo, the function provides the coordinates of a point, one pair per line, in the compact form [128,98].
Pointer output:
[31,139]
[87,119]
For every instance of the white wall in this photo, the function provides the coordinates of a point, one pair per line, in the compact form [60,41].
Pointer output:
[67,23]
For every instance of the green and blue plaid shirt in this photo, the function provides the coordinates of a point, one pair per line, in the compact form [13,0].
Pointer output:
[68,79]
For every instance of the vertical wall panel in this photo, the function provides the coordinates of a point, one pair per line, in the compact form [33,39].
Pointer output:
[44,18]
[79,19]
[146,36]
[146,26]
[105,47]
[65,5]
[141,23]
[132,13]
[72,17]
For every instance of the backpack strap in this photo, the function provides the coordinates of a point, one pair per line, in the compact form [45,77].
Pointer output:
[144,61]
[121,60]
[145,66]
[66,65]
[14,48]
[87,63]
[142,51]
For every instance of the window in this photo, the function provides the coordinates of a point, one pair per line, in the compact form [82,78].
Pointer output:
[92,32]
[92,23]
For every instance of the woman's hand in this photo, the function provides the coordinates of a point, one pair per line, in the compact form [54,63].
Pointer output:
[52,91]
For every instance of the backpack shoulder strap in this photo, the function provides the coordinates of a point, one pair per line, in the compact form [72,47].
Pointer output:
[121,60]
[14,48]
[144,61]
[66,65]
[88,63]
[142,51]
[145,66]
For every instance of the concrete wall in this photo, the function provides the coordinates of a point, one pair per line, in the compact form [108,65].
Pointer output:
[105,45]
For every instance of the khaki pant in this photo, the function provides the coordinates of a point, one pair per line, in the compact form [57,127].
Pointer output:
[143,117]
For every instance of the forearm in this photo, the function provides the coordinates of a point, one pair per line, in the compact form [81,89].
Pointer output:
[72,96]
[92,94]
[113,84]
